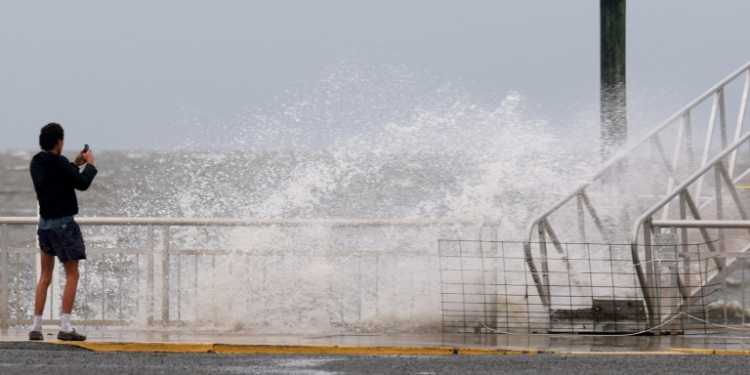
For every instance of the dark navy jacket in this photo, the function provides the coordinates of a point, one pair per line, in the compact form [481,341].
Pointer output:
[55,179]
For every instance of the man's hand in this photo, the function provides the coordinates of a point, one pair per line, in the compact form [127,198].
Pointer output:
[80,159]
[89,157]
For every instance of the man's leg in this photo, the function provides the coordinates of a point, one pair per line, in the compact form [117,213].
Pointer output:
[48,265]
[71,285]
[67,333]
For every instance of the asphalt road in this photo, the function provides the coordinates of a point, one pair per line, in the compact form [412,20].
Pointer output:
[39,359]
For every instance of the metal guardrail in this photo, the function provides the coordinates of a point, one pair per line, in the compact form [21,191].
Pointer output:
[165,271]
[646,226]
[613,182]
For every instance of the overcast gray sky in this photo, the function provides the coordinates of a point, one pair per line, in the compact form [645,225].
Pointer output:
[146,74]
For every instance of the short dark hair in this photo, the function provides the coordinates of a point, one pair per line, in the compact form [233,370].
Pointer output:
[51,133]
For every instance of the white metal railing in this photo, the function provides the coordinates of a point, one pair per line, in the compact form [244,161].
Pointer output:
[734,216]
[642,178]
[167,280]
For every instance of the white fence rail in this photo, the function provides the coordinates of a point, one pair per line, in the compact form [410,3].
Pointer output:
[232,273]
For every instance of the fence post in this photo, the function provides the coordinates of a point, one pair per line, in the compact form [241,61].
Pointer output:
[150,275]
[651,278]
[674,294]
[165,276]
[332,286]
[5,248]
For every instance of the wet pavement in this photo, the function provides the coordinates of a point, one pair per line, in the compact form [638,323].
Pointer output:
[412,344]
[41,359]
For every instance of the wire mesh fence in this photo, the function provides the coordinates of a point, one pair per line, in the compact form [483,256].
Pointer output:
[486,287]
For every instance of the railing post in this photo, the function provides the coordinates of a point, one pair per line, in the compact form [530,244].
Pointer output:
[740,122]
[723,121]
[742,289]
[650,276]
[719,204]
[581,218]
[165,276]
[150,275]
[5,248]
[545,267]
[689,147]
[674,294]
[709,140]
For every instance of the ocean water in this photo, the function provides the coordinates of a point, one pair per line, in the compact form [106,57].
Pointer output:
[462,161]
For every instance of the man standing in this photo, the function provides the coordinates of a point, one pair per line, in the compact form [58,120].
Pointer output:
[55,179]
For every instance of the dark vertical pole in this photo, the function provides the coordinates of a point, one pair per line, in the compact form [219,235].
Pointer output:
[614,124]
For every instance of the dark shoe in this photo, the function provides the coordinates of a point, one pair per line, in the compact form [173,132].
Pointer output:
[36,336]
[71,336]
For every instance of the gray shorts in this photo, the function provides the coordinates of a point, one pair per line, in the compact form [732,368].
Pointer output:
[65,242]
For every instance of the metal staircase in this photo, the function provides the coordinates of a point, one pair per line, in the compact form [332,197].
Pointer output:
[677,199]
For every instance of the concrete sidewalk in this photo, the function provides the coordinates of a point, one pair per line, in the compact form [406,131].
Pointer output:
[394,344]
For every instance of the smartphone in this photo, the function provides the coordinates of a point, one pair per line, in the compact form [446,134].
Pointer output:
[85,148]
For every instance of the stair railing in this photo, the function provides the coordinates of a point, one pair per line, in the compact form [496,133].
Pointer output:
[671,148]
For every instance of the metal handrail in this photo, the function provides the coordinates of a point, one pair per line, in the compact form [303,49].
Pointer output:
[540,222]
[620,156]
[725,224]
[646,216]
[689,181]
[223,222]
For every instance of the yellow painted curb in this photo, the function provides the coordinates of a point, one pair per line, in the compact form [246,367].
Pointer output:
[664,352]
[494,351]
[329,349]
[189,347]
[141,347]
[712,351]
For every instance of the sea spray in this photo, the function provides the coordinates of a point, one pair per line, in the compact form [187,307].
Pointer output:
[360,144]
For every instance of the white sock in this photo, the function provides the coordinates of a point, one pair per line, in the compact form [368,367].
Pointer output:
[37,323]
[65,325]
